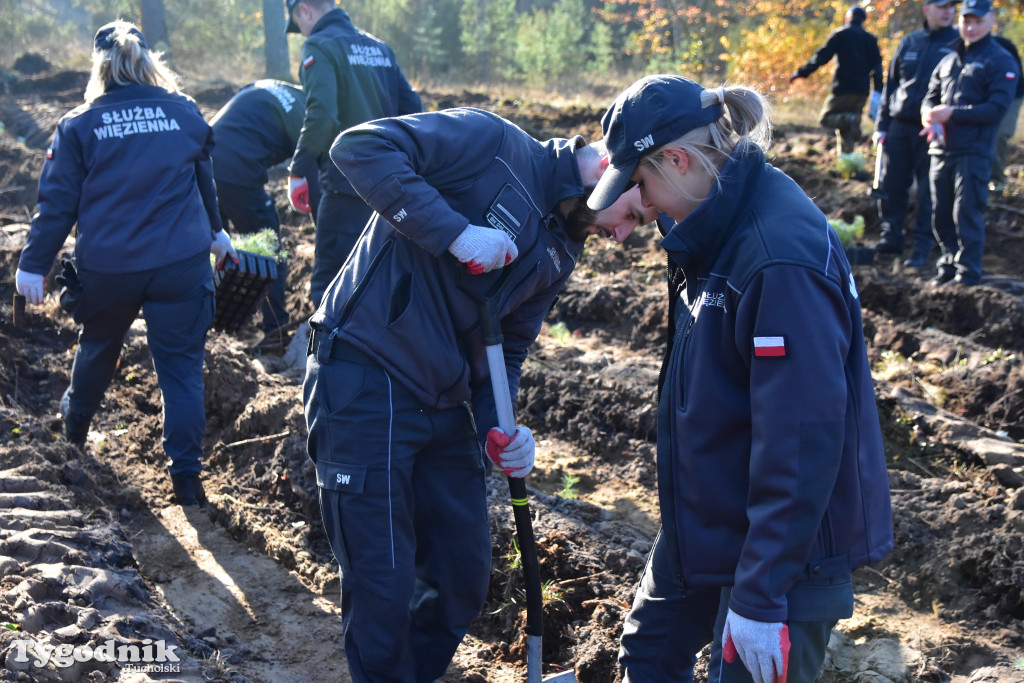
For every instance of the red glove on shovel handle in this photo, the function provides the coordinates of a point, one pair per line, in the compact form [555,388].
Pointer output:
[514,454]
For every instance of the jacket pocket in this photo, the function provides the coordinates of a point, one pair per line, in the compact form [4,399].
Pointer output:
[340,477]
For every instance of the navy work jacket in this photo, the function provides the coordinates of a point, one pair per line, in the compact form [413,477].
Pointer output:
[979,81]
[909,73]
[132,168]
[399,296]
[771,473]
[256,129]
[859,61]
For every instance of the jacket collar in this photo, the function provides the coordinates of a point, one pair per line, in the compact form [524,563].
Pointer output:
[699,238]
[335,16]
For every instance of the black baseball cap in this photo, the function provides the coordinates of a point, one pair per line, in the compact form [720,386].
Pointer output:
[978,8]
[290,6]
[652,112]
[941,2]
[104,38]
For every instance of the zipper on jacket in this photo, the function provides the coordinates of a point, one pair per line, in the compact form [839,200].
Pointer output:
[362,285]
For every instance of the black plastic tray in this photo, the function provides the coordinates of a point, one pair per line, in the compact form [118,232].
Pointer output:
[240,287]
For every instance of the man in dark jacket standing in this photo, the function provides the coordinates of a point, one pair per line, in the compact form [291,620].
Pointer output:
[398,396]
[257,129]
[968,94]
[859,61]
[903,152]
[349,78]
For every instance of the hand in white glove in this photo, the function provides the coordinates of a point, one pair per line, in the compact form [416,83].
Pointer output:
[29,286]
[515,455]
[934,132]
[876,102]
[878,138]
[762,647]
[483,249]
[298,194]
[222,248]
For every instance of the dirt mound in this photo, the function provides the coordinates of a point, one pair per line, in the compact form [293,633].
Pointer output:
[246,588]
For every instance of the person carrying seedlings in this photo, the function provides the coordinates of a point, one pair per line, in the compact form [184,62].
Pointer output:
[255,130]
[349,77]
[131,167]
[897,136]
[968,94]
[772,481]
[397,395]
[859,62]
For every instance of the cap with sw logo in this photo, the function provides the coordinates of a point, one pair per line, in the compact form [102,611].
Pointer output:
[652,112]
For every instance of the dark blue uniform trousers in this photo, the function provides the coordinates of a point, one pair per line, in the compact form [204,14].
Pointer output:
[340,220]
[905,157]
[959,194]
[403,498]
[669,625]
[177,304]
[250,210]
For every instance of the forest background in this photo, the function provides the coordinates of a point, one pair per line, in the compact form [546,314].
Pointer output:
[565,46]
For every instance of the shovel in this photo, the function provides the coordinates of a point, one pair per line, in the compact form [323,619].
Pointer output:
[490,327]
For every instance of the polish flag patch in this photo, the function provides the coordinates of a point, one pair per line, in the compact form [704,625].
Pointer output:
[308,62]
[769,347]
[49,152]
[1010,76]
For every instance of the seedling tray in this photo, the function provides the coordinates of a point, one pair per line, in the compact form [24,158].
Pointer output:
[239,288]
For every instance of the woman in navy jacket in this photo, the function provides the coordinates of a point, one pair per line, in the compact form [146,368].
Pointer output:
[132,168]
[771,475]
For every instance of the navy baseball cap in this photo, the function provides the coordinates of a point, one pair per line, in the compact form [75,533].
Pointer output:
[978,8]
[941,2]
[652,112]
[290,6]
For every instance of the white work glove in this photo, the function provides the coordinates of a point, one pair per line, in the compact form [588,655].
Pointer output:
[222,248]
[762,647]
[29,286]
[298,194]
[878,138]
[934,132]
[876,101]
[483,249]
[515,455]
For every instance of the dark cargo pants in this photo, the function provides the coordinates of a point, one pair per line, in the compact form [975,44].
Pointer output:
[403,498]
[669,625]
[177,304]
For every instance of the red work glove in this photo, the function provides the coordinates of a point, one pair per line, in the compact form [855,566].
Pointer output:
[934,131]
[762,647]
[298,194]
[483,249]
[513,454]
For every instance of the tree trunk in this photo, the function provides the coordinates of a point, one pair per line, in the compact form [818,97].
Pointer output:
[275,47]
[154,27]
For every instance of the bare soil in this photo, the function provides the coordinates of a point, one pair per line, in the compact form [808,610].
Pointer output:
[246,588]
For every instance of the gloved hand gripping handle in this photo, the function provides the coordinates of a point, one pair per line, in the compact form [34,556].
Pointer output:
[490,327]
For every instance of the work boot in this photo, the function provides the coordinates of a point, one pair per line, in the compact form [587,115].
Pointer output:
[944,276]
[75,429]
[188,489]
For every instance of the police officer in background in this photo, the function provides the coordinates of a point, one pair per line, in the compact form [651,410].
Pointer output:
[349,77]
[1008,126]
[859,61]
[255,130]
[904,153]
[132,167]
[968,94]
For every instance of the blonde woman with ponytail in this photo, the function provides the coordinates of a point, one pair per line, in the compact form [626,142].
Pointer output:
[772,480]
[131,168]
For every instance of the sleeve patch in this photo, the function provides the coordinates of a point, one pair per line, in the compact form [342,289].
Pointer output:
[769,347]
[308,62]
[1010,76]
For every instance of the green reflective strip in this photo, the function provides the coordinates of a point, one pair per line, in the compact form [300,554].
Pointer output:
[519,501]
